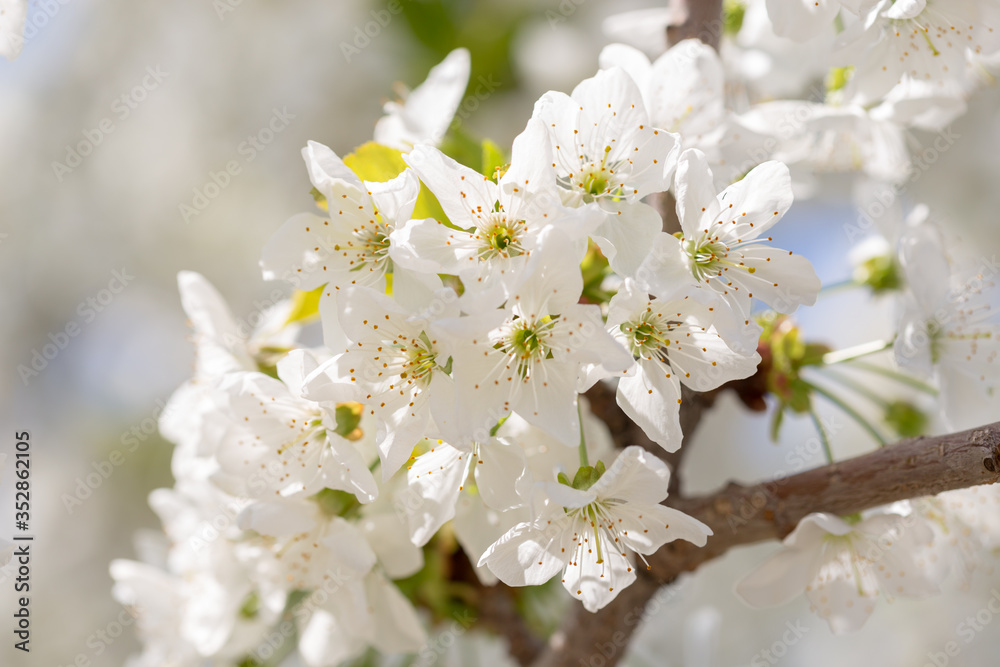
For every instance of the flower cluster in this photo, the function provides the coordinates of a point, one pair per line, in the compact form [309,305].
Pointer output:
[465,308]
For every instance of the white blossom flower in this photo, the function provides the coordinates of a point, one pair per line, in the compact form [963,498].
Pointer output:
[960,546]
[426,112]
[843,566]
[351,245]
[394,365]
[529,357]
[684,91]
[606,151]
[372,613]
[802,20]
[722,248]
[13,15]
[319,552]
[223,344]
[496,471]
[820,138]
[925,40]
[673,342]
[763,66]
[948,328]
[504,219]
[281,443]
[588,533]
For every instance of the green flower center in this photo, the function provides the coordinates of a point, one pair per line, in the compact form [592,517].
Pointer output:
[421,359]
[503,237]
[527,343]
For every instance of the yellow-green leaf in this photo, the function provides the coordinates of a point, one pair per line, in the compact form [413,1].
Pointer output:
[305,306]
[375,162]
[493,159]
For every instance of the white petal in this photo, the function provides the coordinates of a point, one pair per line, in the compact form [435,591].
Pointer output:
[781,578]
[694,186]
[325,167]
[651,398]
[502,475]
[394,199]
[397,627]
[637,476]
[645,529]
[436,479]
[429,108]
[429,246]
[627,234]
[597,584]
[530,554]
[780,279]
[462,192]
[753,204]
[388,537]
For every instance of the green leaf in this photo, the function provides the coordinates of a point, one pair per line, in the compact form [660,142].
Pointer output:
[587,476]
[798,398]
[595,269]
[494,160]
[348,418]
[906,419]
[838,77]
[812,354]
[776,421]
[429,207]
[462,147]
[305,306]
[337,503]
[320,199]
[375,162]
[732,16]
[251,606]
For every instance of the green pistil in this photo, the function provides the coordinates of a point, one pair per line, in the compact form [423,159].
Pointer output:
[503,238]
[595,184]
[597,538]
[526,342]
[648,336]
[421,363]
[930,43]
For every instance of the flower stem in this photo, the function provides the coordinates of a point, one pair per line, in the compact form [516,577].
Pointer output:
[850,412]
[823,437]
[857,387]
[856,352]
[902,378]
[584,459]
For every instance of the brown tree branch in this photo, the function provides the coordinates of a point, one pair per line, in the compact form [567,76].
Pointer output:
[740,515]
[703,21]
